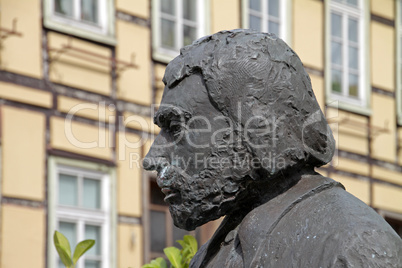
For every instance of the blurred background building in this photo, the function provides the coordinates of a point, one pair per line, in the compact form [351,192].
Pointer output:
[78,80]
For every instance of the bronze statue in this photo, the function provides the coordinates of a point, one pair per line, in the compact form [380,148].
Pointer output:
[241,135]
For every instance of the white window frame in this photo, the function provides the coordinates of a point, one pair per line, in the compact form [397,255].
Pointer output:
[103,33]
[106,217]
[398,62]
[285,16]
[164,54]
[362,103]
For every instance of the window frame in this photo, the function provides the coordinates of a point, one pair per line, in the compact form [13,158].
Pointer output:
[361,105]
[105,217]
[103,34]
[398,62]
[285,13]
[166,55]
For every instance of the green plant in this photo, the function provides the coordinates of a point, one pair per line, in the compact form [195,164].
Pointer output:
[178,258]
[63,248]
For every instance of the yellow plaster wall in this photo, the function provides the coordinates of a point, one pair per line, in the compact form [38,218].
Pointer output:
[159,70]
[351,166]
[308,39]
[387,175]
[96,111]
[25,95]
[129,184]
[384,8]
[147,145]
[225,15]
[80,72]
[348,136]
[138,8]
[358,188]
[22,237]
[384,145]
[400,145]
[83,139]
[317,83]
[382,56]
[387,197]
[322,171]
[22,55]
[134,84]
[23,153]
[129,254]
[158,96]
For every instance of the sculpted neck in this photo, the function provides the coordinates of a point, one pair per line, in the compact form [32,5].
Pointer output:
[256,193]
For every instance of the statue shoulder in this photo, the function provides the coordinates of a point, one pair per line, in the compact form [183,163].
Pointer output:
[317,224]
[372,247]
[266,216]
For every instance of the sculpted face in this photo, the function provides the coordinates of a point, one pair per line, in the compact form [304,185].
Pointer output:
[193,155]
[238,113]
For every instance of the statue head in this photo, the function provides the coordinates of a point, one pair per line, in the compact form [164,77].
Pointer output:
[237,112]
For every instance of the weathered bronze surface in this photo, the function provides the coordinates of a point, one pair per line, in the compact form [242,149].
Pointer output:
[241,135]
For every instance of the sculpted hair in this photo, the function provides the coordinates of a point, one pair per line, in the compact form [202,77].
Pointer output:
[259,82]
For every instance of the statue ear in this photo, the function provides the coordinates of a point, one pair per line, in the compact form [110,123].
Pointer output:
[317,139]
[215,93]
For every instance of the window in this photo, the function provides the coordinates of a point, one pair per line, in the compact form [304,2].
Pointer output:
[80,207]
[176,23]
[267,16]
[348,79]
[92,19]
[163,233]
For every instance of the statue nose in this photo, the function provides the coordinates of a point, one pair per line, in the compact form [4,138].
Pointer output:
[150,161]
[157,163]
[148,164]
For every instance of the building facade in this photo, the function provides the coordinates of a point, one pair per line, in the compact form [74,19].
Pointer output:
[79,81]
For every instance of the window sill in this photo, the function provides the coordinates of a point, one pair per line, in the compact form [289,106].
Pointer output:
[343,105]
[74,30]
[164,55]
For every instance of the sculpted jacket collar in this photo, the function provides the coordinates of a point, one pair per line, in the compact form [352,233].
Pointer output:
[316,223]
[250,228]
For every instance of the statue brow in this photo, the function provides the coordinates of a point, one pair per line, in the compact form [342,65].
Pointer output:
[172,81]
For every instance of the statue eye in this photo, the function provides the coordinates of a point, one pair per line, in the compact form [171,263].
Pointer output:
[175,128]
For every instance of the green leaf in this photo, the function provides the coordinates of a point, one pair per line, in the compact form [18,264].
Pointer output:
[64,256]
[174,256]
[160,262]
[63,248]
[148,265]
[81,248]
[157,263]
[192,242]
[182,243]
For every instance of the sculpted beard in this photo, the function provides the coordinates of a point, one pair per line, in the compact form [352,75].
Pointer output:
[199,198]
